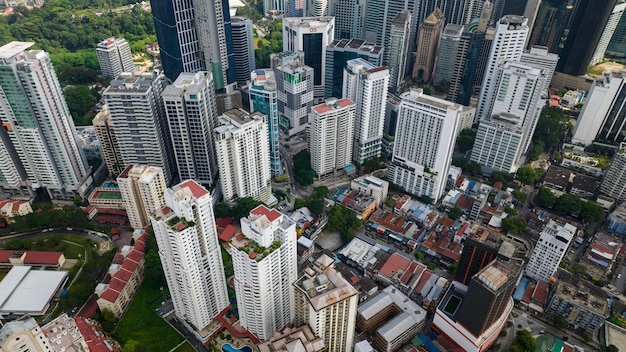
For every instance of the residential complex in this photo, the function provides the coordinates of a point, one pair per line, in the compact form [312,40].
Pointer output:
[349,18]
[539,57]
[105,132]
[366,85]
[327,302]
[263,95]
[242,150]
[191,112]
[338,53]
[550,249]
[264,259]
[190,255]
[38,148]
[139,120]
[114,57]
[424,143]
[331,136]
[142,189]
[614,181]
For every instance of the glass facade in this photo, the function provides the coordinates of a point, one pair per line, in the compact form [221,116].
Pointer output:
[165,28]
[266,102]
[313,51]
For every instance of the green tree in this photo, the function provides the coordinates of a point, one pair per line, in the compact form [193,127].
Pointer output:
[304,175]
[514,225]
[222,210]
[520,196]
[611,348]
[316,206]
[559,322]
[523,342]
[336,218]
[591,211]
[455,212]
[465,140]
[320,192]
[503,177]
[568,204]
[579,269]
[108,315]
[544,198]
[453,267]
[526,175]
[243,207]
[510,210]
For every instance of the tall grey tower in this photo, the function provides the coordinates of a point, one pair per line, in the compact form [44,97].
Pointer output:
[38,147]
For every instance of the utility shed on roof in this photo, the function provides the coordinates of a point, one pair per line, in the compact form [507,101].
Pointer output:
[26,291]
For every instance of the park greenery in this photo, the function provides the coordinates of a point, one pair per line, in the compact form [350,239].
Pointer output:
[523,342]
[553,125]
[514,225]
[271,43]
[46,215]
[527,175]
[303,173]
[315,202]
[569,205]
[343,220]
[468,166]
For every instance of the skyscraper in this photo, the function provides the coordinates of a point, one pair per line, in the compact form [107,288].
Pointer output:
[331,135]
[277,6]
[349,17]
[366,85]
[264,99]
[338,53]
[191,255]
[425,136]
[428,39]
[454,11]
[311,35]
[378,19]
[552,246]
[265,264]
[38,146]
[294,81]
[139,120]
[327,302]
[192,115]
[317,8]
[242,150]
[607,33]
[508,44]
[588,23]
[603,117]
[243,47]
[539,57]
[473,315]
[108,141]
[614,182]
[399,48]
[449,55]
[114,57]
[192,37]
[617,44]
[498,143]
[142,190]
[473,50]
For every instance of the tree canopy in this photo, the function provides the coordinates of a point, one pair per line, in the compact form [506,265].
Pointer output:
[514,225]
[467,165]
[465,140]
[552,126]
[544,198]
[304,175]
[523,342]
[527,175]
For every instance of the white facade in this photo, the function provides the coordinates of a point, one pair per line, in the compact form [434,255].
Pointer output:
[317,8]
[39,148]
[600,101]
[539,57]
[498,144]
[349,18]
[508,44]
[191,256]
[614,181]
[607,33]
[115,57]
[330,135]
[23,335]
[372,186]
[243,47]
[277,6]
[265,264]
[242,149]
[327,302]
[310,35]
[366,86]
[142,190]
[518,92]
[425,137]
[549,250]
[139,120]
[191,111]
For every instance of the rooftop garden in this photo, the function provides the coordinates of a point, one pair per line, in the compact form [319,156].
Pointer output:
[258,252]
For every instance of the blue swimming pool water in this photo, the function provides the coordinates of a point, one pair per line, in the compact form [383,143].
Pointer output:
[229,348]
[110,185]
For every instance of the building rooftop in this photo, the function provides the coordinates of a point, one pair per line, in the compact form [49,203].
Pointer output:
[397,326]
[193,187]
[63,334]
[323,285]
[391,295]
[581,293]
[359,45]
[130,83]
[308,21]
[299,339]
[585,183]
[331,105]
[29,291]
[16,326]
[13,48]
[418,95]
[558,176]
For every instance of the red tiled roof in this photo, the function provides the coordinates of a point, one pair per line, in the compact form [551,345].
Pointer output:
[324,108]
[459,182]
[425,276]
[263,210]
[135,255]
[142,239]
[130,265]
[89,208]
[140,246]
[110,295]
[197,190]
[528,294]
[116,284]
[228,233]
[123,275]
[221,223]
[16,206]
[5,255]
[120,212]
[37,257]
[119,259]
[94,341]
[541,292]
[109,219]
[394,263]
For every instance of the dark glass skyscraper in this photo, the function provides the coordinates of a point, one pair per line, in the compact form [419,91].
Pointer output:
[338,53]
